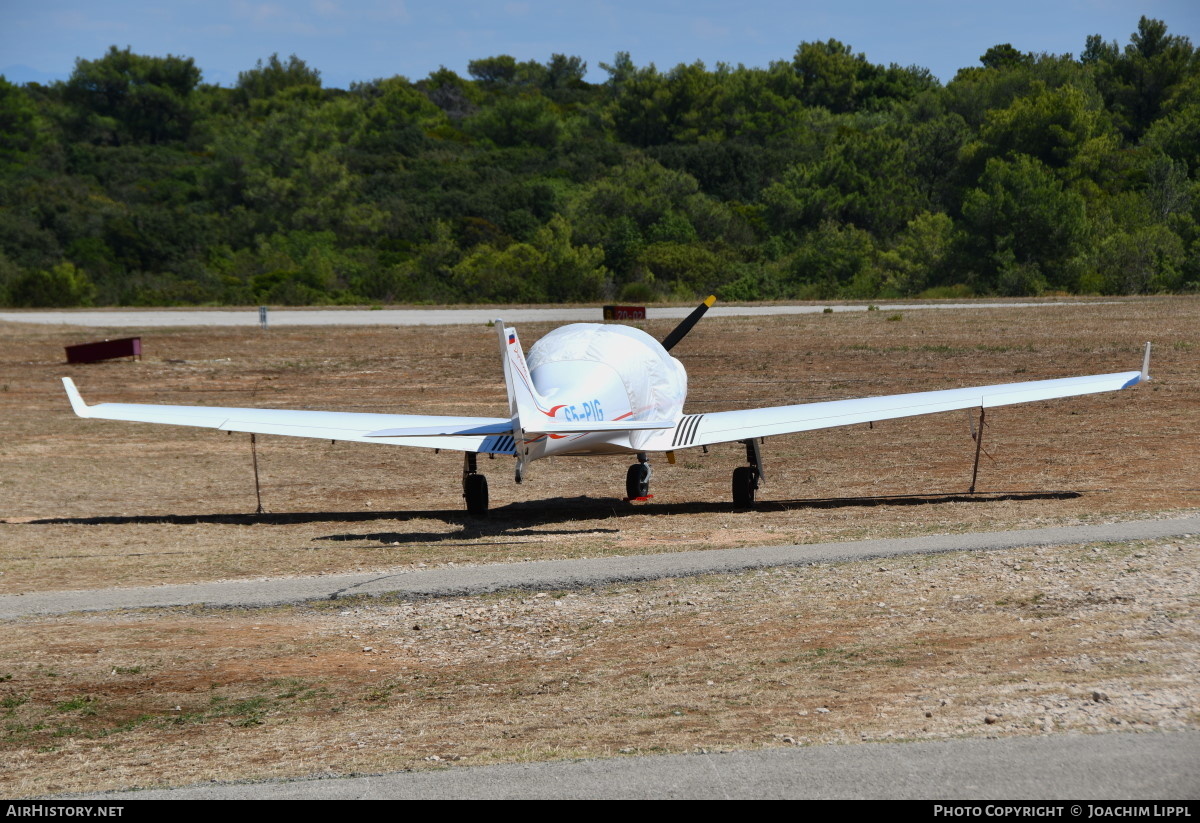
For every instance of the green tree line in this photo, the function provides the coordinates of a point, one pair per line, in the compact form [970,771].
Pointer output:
[826,175]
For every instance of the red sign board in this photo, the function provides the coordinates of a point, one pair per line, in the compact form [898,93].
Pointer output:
[105,350]
[624,312]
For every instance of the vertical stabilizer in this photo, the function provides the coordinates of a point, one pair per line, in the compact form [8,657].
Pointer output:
[524,403]
[503,333]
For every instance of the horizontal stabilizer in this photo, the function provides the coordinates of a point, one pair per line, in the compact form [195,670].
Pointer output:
[553,426]
[440,431]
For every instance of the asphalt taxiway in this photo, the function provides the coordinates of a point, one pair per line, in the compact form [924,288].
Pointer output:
[1158,766]
[566,574]
[173,318]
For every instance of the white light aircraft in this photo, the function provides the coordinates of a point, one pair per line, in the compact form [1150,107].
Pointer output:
[591,389]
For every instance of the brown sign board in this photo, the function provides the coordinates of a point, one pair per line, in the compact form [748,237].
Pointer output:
[624,312]
[105,350]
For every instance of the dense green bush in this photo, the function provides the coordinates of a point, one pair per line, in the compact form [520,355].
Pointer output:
[819,176]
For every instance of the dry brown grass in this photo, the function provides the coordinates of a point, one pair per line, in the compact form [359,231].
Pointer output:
[285,692]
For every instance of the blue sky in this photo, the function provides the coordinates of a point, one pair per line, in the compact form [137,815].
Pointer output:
[349,40]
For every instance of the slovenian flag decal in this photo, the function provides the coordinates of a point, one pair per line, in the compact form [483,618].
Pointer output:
[512,338]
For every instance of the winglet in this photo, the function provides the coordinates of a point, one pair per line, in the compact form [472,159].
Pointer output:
[76,399]
[1146,363]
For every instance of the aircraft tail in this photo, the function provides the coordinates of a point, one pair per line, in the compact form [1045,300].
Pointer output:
[523,400]
[524,403]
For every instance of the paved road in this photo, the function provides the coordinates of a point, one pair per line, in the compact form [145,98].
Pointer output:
[567,574]
[1148,766]
[435,317]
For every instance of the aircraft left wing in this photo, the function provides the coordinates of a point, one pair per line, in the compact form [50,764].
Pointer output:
[488,435]
[722,427]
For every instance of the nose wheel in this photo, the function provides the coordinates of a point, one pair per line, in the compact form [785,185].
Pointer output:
[637,479]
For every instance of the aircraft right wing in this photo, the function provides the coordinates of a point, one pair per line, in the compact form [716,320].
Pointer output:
[475,434]
[723,427]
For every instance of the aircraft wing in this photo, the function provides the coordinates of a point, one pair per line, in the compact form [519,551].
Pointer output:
[723,427]
[477,434]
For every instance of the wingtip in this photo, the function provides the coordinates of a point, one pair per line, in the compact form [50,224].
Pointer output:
[1146,363]
[75,397]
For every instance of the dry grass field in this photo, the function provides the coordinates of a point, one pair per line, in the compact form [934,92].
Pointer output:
[1012,642]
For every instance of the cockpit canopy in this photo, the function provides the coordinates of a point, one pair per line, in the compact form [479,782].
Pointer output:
[655,382]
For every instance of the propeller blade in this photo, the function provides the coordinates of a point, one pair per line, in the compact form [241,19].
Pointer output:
[680,331]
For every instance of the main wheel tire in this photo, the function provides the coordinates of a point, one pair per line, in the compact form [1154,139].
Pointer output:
[637,481]
[744,485]
[476,492]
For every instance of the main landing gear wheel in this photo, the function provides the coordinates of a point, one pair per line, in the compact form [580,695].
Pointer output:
[637,481]
[476,492]
[746,478]
[745,483]
[474,487]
